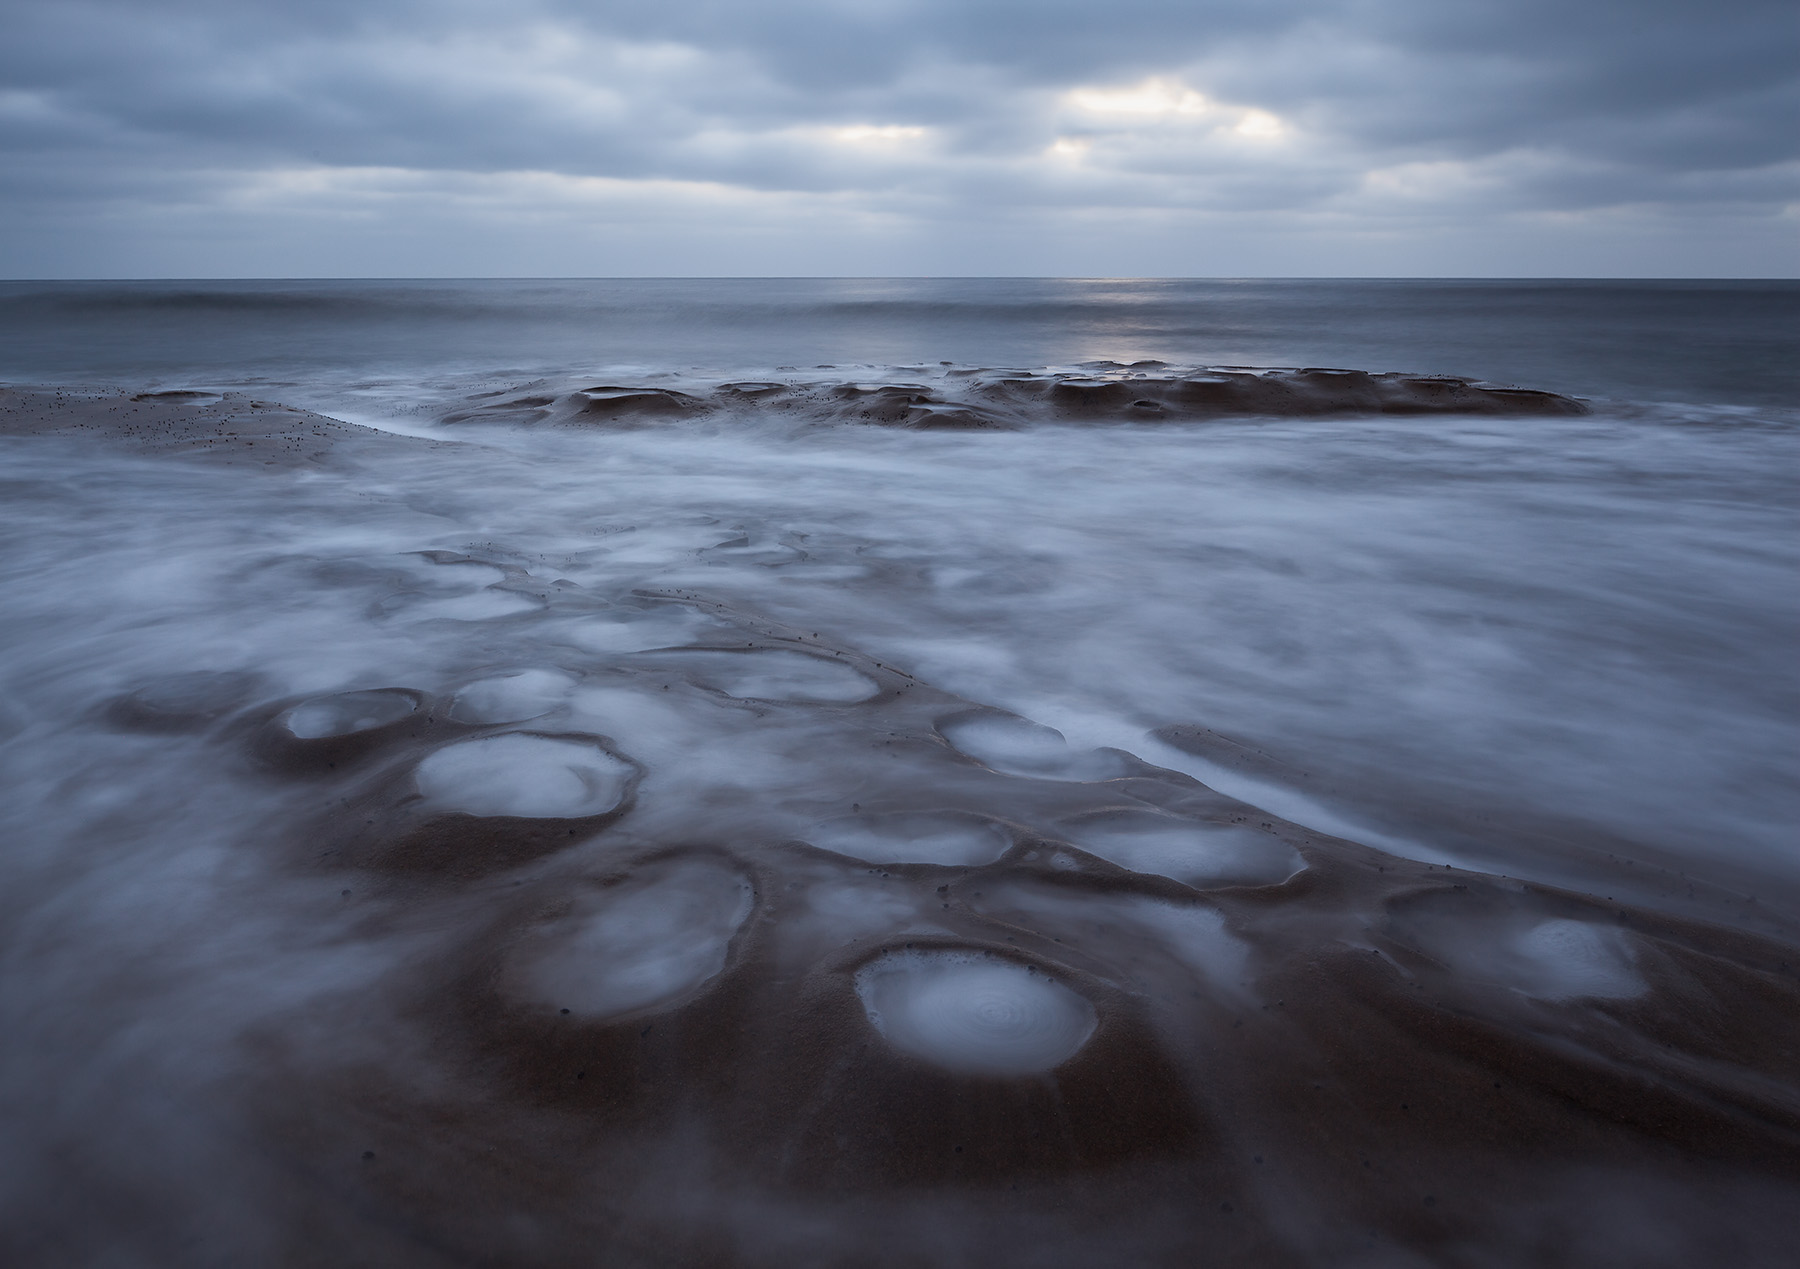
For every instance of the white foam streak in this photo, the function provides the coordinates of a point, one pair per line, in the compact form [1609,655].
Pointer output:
[512,698]
[1565,960]
[1198,938]
[643,944]
[1199,854]
[912,838]
[1018,746]
[348,713]
[775,676]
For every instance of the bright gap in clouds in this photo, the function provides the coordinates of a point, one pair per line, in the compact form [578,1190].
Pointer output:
[1259,123]
[870,134]
[1160,102]
[1155,96]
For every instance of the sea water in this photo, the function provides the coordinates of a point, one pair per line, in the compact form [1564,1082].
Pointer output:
[1557,649]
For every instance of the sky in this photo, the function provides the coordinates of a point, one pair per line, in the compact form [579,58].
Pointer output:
[457,138]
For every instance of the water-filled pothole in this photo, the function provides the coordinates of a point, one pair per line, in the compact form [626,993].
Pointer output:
[347,713]
[524,775]
[974,1012]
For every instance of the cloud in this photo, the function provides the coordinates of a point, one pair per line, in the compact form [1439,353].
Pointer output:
[923,116]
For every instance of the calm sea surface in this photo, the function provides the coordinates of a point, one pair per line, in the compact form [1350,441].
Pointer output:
[1713,342]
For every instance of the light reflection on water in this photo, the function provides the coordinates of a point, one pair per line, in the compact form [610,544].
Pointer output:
[1693,341]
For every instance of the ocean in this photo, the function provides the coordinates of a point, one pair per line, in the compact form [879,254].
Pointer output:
[1696,342]
[809,771]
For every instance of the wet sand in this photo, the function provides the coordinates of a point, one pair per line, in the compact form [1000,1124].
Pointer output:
[962,993]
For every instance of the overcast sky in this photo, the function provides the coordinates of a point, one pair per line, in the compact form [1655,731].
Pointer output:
[870,137]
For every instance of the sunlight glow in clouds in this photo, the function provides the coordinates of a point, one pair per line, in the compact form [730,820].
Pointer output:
[1259,123]
[1160,103]
[869,134]
[1154,96]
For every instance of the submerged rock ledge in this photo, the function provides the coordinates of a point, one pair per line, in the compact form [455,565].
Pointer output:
[975,398]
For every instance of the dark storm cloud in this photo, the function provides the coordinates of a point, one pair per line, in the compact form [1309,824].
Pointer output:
[1352,107]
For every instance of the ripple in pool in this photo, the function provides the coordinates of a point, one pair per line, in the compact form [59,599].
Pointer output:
[648,942]
[536,777]
[347,713]
[973,1012]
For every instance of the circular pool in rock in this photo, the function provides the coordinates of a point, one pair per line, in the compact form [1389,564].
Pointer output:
[973,1012]
[525,775]
[347,713]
